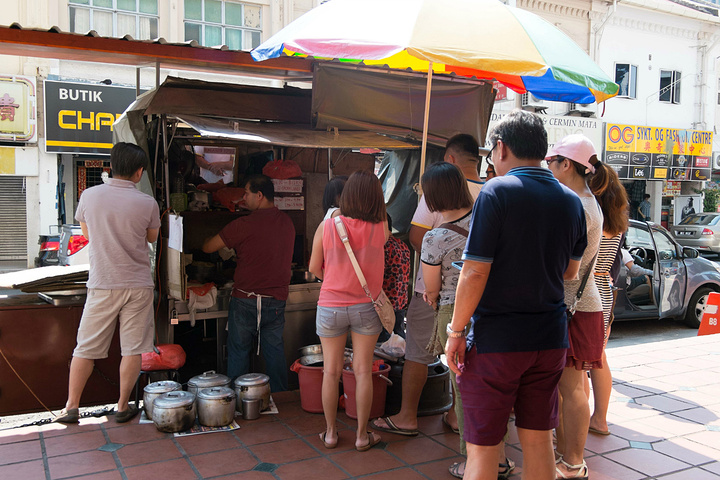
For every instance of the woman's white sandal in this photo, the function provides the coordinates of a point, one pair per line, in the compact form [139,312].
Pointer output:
[582,470]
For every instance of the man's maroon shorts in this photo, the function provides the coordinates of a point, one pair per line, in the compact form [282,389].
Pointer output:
[492,384]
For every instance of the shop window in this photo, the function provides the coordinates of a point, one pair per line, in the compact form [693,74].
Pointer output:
[626,78]
[115,18]
[90,172]
[670,86]
[214,22]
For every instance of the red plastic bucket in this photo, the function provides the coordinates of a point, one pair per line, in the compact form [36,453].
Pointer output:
[379,384]
[310,380]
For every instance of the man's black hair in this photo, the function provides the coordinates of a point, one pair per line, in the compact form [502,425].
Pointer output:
[523,133]
[464,143]
[647,196]
[126,159]
[261,183]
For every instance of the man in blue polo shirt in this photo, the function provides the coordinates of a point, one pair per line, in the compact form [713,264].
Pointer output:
[527,235]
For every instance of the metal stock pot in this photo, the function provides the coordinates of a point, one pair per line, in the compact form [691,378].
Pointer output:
[253,386]
[208,380]
[216,406]
[174,411]
[154,390]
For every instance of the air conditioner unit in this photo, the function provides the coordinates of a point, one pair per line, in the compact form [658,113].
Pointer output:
[716,161]
[582,109]
[531,102]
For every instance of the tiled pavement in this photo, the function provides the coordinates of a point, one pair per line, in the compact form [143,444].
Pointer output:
[664,417]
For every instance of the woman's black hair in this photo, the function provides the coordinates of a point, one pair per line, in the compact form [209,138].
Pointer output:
[333,189]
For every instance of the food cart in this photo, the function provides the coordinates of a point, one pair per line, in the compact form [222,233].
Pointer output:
[342,124]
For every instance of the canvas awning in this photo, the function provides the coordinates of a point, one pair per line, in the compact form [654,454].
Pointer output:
[290,135]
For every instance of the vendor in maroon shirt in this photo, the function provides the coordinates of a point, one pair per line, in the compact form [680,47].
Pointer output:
[263,242]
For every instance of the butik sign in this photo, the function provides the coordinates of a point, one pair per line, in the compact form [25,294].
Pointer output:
[79,117]
[654,153]
[18,109]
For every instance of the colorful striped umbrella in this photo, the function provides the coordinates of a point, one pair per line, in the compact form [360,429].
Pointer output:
[471,38]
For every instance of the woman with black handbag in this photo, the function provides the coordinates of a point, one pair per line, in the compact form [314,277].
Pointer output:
[573,161]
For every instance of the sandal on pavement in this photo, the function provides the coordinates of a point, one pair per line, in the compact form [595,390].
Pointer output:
[372,441]
[447,424]
[597,431]
[328,445]
[457,470]
[581,474]
[392,428]
[67,416]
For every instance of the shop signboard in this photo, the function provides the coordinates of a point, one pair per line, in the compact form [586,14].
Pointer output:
[655,153]
[79,117]
[557,126]
[18,109]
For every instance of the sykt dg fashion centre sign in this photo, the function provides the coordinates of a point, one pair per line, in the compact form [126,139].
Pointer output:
[79,117]
[656,153]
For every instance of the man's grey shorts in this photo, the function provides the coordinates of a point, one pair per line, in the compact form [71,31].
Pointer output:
[131,307]
[420,323]
[335,321]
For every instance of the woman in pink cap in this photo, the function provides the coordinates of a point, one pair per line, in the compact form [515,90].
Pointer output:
[573,161]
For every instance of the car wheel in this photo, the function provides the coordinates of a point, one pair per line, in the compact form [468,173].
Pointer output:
[696,307]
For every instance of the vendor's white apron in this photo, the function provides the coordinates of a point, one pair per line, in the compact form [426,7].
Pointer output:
[259,311]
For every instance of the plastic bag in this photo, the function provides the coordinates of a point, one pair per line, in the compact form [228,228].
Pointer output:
[282,169]
[394,346]
[167,356]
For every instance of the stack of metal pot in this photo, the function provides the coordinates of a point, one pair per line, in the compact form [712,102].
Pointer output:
[208,397]
[253,394]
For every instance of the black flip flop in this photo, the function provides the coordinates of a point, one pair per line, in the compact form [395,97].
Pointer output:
[392,428]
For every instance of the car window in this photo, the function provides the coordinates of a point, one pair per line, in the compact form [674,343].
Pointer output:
[701,219]
[638,237]
[665,246]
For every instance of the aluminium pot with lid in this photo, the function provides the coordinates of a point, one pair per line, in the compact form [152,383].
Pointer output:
[154,390]
[253,386]
[174,411]
[216,406]
[208,379]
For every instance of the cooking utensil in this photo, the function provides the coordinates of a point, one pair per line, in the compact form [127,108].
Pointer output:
[208,379]
[174,411]
[154,390]
[253,386]
[310,350]
[216,406]
[251,408]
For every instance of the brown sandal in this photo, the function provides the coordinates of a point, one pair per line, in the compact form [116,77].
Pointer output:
[373,440]
[327,445]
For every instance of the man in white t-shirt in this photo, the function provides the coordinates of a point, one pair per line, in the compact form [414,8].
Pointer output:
[461,150]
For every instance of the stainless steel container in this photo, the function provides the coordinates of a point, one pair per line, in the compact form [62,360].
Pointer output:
[216,406]
[253,386]
[174,411]
[154,390]
[208,380]
[251,408]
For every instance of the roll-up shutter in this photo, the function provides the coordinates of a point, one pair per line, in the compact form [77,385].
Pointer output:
[13,219]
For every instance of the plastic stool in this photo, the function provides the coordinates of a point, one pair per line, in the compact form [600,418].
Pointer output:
[145,374]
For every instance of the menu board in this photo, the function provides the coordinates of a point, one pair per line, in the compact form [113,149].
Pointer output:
[655,153]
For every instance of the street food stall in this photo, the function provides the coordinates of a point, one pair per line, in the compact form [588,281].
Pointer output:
[342,124]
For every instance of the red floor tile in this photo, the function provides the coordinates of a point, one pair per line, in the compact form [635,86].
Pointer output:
[20,452]
[406,473]
[135,434]
[687,451]
[286,397]
[449,440]
[604,444]
[310,470]
[223,463]
[647,461]
[346,441]
[23,471]
[211,442]
[252,475]
[112,475]
[292,410]
[285,451]
[13,435]
[438,470]
[148,452]
[81,464]
[175,469]
[263,433]
[419,450]
[431,425]
[373,461]
[79,442]
[693,473]
[307,425]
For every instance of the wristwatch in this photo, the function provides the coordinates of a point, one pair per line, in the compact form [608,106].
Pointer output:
[454,334]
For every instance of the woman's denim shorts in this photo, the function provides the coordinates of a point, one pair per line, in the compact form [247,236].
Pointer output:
[335,321]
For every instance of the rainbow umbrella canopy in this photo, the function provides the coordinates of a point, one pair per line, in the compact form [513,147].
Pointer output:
[471,38]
